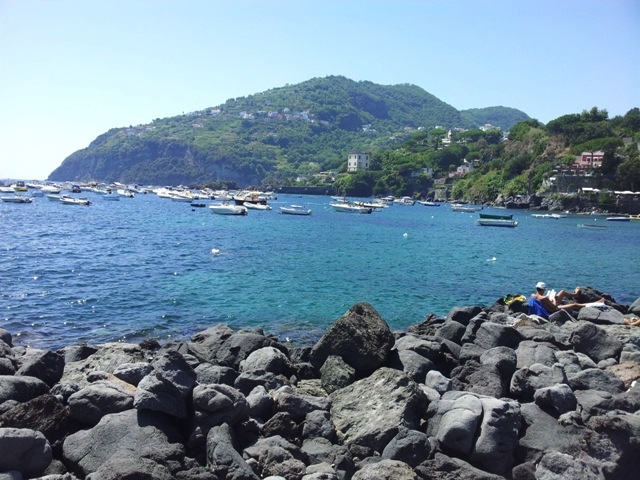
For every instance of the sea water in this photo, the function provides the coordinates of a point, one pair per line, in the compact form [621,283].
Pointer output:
[151,267]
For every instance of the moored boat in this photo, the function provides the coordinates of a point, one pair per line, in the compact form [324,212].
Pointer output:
[295,210]
[591,225]
[428,203]
[16,199]
[257,206]
[489,222]
[350,208]
[228,209]
[69,200]
[492,216]
[465,207]
[618,219]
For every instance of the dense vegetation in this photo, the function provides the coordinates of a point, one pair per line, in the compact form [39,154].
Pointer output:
[274,137]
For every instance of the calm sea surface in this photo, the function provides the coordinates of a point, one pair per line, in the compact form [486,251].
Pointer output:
[145,267]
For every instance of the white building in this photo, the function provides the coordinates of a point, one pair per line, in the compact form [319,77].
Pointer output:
[358,161]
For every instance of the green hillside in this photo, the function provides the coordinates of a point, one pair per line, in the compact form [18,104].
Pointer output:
[277,134]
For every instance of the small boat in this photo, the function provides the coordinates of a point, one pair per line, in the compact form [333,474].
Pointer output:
[228,209]
[427,203]
[245,197]
[491,216]
[198,205]
[591,225]
[69,200]
[465,207]
[405,201]
[16,199]
[618,219]
[295,210]
[489,222]
[125,193]
[257,206]
[553,216]
[53,198]
[350,208]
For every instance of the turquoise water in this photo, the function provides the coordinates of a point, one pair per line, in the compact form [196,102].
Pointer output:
[144,267]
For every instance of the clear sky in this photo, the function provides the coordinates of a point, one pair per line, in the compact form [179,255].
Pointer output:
[72,69]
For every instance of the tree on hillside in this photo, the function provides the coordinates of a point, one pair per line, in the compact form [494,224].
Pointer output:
[628,173]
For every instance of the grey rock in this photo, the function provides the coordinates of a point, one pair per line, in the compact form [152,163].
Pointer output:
[634,308]
[557,398]
[7,367]
[46,365]
[442,467]
[44,414]
[414,365]
[370,411]
[480,379]
[409,446]
[173,367]
[297,404]
[503,358]
[271,453]
[593,341]
[490,335]
[132,373]
[132,433]
[463,314]
[526,381]
[206,344]
[384,470]
[246,382]
[361,337]
[261,404]
[106,358]
[530,352]
[454,420]
[93,402]
[543,433]
[470,352]
[240,345]
[62,391]
[5,336]
[208,373]
[318,424]
[556,465]
[497,437]
[451,330]
[223,459]
[320,451]
[335,374]
[596,379]
[283,425]
[601,315]
[438,382]
[267,359]
[25,451]
[21,388]
[77,353]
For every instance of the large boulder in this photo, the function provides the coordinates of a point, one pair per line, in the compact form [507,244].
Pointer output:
[206,344]
[384,470]
[409,446]
[602,314]
[526,381]
[298,404]
[93,402]
[361,337]
[593,341]
[240,345]
[370,411]
[46,365]
[25,451]
[267,359]
[20,388]
[132,434]
[223,459]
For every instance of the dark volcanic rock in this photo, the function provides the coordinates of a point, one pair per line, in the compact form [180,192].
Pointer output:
[25,451]
[595,342]
[361,337]
[46,365]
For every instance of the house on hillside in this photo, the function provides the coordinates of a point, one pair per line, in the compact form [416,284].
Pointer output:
[358,161]
[589,160]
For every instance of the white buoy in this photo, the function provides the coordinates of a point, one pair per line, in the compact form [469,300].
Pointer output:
[215,251]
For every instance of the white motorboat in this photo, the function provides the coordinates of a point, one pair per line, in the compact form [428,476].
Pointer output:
[404,201]
[553,216]
[465,207]
[295,210]
[51,189]
[427,203]
[618,219]
[350,208]
[257,206]
[69,200]
[228,209]
[53,198]
[242,198]
[125,193]
[16,199]
[496,222]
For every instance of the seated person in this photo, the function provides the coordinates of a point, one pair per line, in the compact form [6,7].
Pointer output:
[554,304]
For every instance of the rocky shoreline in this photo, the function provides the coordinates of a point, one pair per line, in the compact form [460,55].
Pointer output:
[483,393]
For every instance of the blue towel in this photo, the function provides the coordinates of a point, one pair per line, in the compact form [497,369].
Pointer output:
[536,308]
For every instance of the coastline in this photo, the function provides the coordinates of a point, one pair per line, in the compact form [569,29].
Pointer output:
[485,392]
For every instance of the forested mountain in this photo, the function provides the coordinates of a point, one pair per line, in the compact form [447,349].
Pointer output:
[276,135]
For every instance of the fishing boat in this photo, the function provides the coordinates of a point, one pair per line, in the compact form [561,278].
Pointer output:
[496,222]
[295,210]
[228,209]
[491,216]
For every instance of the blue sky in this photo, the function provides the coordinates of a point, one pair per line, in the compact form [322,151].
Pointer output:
[70,70]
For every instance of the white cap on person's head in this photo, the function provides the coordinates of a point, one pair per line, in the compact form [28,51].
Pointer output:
[541,286]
